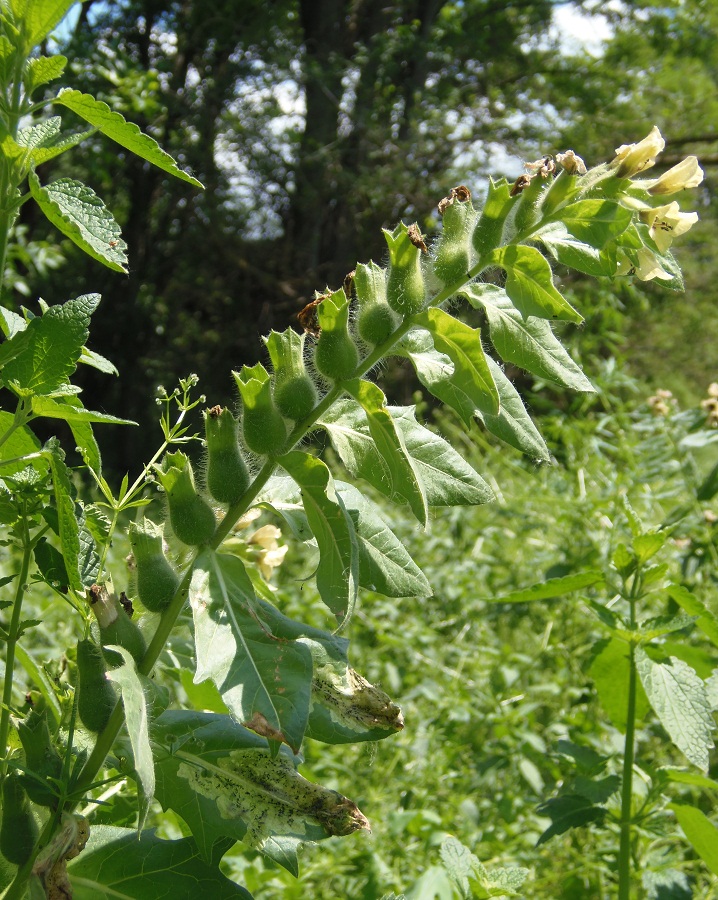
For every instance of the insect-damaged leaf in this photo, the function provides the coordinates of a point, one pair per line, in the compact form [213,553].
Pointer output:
[264,679]
[221,779]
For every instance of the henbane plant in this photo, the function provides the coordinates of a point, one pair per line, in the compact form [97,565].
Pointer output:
[232,774]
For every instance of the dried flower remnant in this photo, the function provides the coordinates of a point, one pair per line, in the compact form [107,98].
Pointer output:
[666,223]
[542,167]
[520,185]
[631,159]
[571,163]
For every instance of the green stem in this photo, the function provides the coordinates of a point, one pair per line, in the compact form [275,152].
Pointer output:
[12,639]
[624,852]
[108,735]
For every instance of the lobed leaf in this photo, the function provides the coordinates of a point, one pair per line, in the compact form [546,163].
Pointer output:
[529,342]
[403,478]
[118,863]
[118,129]
[529,284]
[337,574]
[462,345]
[264,678]
[78,213]
[680,700]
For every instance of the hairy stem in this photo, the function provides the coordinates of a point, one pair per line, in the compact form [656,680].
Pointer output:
[13,633]
[624,852]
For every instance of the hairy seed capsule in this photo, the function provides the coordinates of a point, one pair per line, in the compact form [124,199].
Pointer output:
[227,474]
[490,227]
[42,760]
[97,696]
[116,626]
[157,580]
[295,394]
[263,427]
[191,517]
[336,355]
[376,320]
[18,831]
[405,291]
[453,253]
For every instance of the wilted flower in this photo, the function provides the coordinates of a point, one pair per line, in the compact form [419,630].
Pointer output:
[687,174]
[634,158]
[710,405]
[644,265]
[659,403]
[572,163]
[666,223]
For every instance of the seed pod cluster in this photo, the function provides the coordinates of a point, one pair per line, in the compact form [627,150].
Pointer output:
[157,580]
[96,695]
[227,474]
[263,428]
[191,517]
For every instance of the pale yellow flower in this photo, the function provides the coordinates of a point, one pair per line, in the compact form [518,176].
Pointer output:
[634,158]
[666,223]
[687,174]
[645,266]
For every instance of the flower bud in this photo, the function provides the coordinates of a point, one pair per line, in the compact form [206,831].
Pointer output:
[191,516]
[227,475]
[263,427]
[490,227]
[294,391]
[376,319]
[157,581]
[405,287]
[631,159]
[453,254]
[336,355]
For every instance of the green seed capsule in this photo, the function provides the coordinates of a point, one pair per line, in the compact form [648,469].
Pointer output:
[376,320]
[191,517]
[97,697]
[490,227]
[453,254]
[405,291]
[116,627]
[263,427]
[528,212]
[157,581]
[19,831]
[336,355]
[42,760]
[227,474]
[295,394]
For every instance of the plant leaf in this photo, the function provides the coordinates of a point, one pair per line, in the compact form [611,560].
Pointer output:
[447,478]
[71,410]
[610,671]
[117,128]
[403,477]
[513,424]
[20,443]
[43,69]
[554,587]
[705,619]
[69,531]
[43,17]
[337,575]
[462,345]
[221,779]
[575,254]
[680,700]
[566,812]
[51,346]
[529,342]
[117,863]
[133,699]
[264,679]
[700,831]
[594,222]
[78,213]
[529,284]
